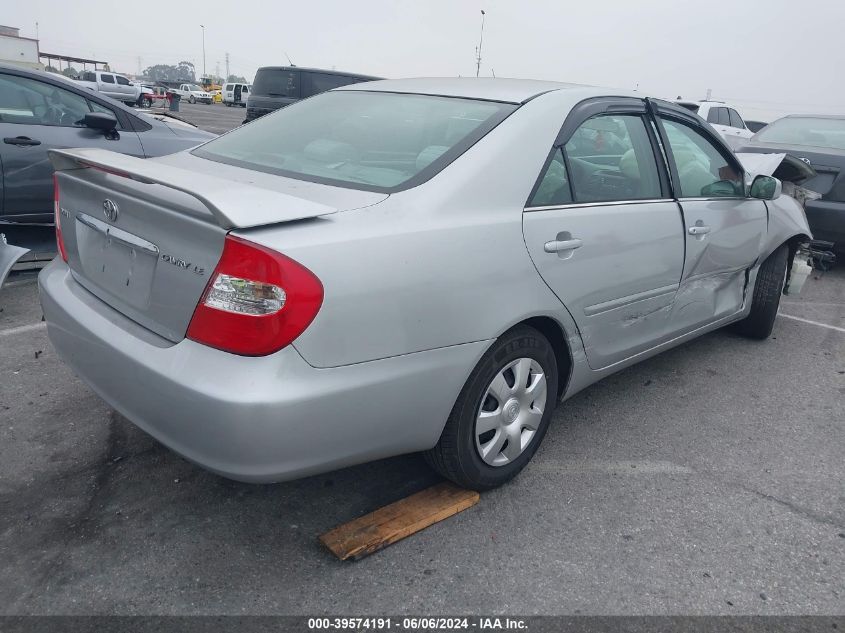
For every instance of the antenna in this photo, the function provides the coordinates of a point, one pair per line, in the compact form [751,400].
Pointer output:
[478,48]
[290,63]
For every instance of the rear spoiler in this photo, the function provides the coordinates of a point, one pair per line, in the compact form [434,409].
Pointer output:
[233,204]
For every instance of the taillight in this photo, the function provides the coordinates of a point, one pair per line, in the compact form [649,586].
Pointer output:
[256,302]
[60,242]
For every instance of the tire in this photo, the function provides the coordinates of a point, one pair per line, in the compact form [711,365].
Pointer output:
[767,292]
[192,99]
[458,454]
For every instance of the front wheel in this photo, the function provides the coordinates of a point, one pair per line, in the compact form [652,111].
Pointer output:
[501,414]
[192,99]
[766,299]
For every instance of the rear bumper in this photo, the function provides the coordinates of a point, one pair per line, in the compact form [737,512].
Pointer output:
[827,221]
[252,419]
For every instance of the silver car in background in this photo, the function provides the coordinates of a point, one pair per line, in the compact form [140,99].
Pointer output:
[410,265]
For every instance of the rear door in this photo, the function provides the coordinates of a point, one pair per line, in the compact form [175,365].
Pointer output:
[604,231]
[723,227]
[36,117]
[108,86]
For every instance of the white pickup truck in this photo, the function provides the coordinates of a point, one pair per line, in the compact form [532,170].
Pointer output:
[111,84]
[193,93]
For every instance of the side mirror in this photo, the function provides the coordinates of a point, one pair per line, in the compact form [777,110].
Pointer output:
[766,188]
[100,121]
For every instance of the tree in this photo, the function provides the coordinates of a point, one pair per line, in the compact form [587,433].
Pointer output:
[237,79]
[71,72]
[52,69]
[183,71]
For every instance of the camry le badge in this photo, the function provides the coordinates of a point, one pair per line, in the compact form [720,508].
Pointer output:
[110,210]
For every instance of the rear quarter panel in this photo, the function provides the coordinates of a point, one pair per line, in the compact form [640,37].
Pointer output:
[441,264]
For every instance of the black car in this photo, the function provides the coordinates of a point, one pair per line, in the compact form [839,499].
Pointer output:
[818,140]
[755,126]
[277,86]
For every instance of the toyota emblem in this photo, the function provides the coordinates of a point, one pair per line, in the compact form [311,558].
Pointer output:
[110,210]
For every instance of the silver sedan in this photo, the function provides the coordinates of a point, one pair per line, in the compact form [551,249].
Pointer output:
[411,265]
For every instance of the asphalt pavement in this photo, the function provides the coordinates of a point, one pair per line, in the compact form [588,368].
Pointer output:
[707,480]
[216,117]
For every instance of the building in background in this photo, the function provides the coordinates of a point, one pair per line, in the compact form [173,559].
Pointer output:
[21,51]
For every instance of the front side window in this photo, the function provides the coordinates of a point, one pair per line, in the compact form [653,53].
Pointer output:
[274,82]
[24,100]
[366,140]
[611,158]
[107,79]
[703,171]
[123,81]
[736,120]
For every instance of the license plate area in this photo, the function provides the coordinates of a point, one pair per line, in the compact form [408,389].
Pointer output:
[115,260]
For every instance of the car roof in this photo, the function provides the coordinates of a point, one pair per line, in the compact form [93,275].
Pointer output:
[814,116]
[318,70]
[486,88]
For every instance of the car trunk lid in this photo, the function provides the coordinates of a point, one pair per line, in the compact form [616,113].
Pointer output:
[145,236]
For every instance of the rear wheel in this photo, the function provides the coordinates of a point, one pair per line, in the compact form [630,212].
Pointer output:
[767,292]
[501,414]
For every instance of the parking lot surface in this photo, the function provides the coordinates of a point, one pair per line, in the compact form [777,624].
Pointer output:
[709,479]
[216,117]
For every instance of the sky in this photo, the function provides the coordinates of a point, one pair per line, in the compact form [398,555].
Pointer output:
[767,57]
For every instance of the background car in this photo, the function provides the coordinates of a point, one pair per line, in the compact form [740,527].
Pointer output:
[111,85]
[192,93]
[277,86]
[818,140]
[41,111]
[724,119]
[411,265]
[236,94]
[755,126]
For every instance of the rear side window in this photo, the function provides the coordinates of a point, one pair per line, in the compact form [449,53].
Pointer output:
[724,117]
[274,82]
[362,140]
[107,79]
[553,188]
[321,82]
[611,158]
[736,120]
[703,171]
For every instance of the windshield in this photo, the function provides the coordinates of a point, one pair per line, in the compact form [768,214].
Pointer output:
[806,131]
[363,140]
[194,88]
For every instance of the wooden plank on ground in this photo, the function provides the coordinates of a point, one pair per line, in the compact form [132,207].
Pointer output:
[376,530]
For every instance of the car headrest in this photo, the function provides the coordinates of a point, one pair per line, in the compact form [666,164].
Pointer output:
[628,165]
[326,150]
[429,155]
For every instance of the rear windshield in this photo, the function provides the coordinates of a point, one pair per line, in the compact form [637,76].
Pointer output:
[806,131]
[375,141]
[273,82]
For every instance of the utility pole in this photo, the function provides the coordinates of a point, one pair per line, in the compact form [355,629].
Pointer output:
[217,70]
[227,66]
[478,49]
[203,49]
[139,65]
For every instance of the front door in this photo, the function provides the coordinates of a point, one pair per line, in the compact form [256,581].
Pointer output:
[36,117]
[605,234]
[723,227]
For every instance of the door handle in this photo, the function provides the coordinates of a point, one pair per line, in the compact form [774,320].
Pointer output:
[20,140]
[558,246]
[698,229]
